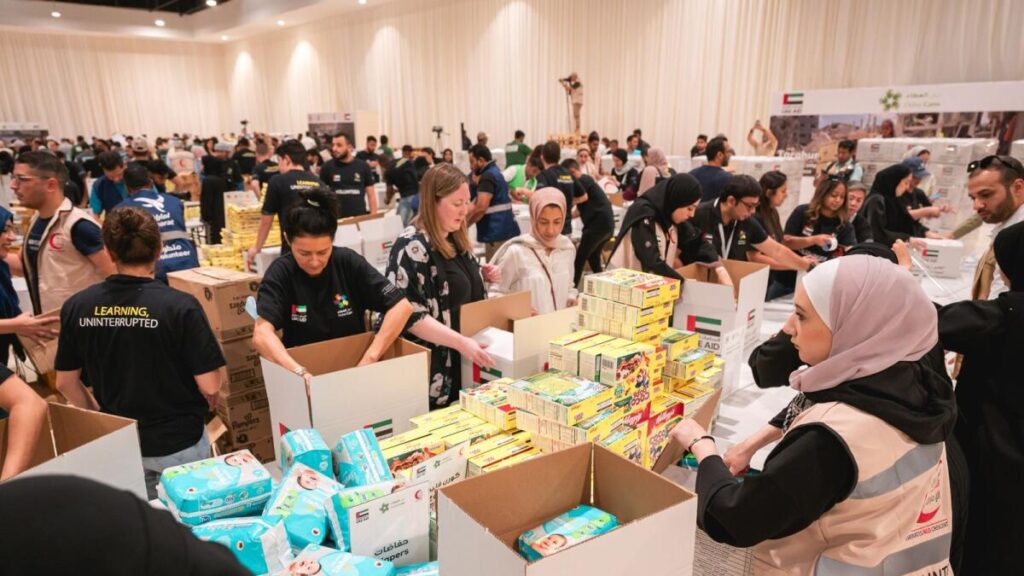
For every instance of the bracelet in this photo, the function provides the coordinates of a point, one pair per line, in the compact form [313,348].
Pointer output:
[692,444]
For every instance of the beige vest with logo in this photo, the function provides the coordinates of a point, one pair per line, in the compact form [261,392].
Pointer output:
[63,270]
[898,519]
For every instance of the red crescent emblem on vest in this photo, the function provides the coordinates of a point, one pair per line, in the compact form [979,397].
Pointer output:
[56,242]
[927,516]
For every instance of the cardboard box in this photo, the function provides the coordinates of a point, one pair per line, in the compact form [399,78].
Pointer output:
[728,347]
[222,294]
[242,364]
[343,397]
[348,236]
[712,309]
[379,236]
[261,448]
[530,335]
[871,169]
[873,150]
[500,347]
[481,530]
[1017,150]
[42,354]
[246,416]
[940,258]
[93,445]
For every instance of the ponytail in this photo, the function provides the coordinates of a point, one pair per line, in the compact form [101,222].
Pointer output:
[315,213]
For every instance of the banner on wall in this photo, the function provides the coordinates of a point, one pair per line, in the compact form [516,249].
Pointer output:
[331,122]
[809,124]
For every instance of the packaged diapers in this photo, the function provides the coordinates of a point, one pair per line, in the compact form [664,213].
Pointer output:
[359,459]
[324,561]
[307,447]
[427,569]
[227,486]
[339,504]
[259,546]
[299,502]
[575,526]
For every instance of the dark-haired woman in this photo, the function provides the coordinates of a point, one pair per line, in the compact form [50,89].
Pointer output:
[319,291]
[774,191]
[888,217]
[820,229]
[148,349]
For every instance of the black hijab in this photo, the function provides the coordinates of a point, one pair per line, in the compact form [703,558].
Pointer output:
[885,184]
[662,200]
[1009,248]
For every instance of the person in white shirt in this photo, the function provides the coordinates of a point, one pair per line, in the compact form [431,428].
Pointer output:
[996,189]
[541,261]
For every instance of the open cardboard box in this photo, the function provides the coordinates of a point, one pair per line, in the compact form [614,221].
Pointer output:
[705,416]
[42,353]
[480,518]
[348,236]
[379,236]
[530,336]
[707,307]
[93,445]
[343,397]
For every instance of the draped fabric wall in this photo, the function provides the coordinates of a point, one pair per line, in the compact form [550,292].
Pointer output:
[671,67]
[96,85]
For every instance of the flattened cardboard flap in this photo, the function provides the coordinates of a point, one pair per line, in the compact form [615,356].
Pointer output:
[74,427]
[737,271]
[673,451]
[213,276]
[358,219]
[501,312]
[629,491]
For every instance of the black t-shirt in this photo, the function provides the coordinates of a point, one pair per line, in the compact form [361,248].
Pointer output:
[464,285]
[331,305]
[349,181]
[597,210]
[915,199]
[558,177]
[282,192]
[264,171]
[246,160]
[797,225]
[368,157]
[743,234]
[403,177]
[142,344]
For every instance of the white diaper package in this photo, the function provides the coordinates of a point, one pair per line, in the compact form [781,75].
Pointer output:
[308,447]
[324,561]
[228,486]
[299,502]
[259,546]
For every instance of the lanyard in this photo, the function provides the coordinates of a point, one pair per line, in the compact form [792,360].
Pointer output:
[726,244]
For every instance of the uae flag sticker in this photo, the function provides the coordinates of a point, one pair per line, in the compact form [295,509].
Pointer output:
[704,325]
[483,375]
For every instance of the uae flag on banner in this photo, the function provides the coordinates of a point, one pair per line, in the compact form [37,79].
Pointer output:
[703,325]
[793,98]
[383,429]
[483,375]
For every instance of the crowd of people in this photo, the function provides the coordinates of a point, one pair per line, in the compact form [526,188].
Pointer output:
[864,347]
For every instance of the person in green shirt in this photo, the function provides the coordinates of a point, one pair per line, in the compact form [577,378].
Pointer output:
[384,148]
[523,178]
[516,152]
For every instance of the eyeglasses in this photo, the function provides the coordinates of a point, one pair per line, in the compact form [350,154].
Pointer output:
[1006,161]
[750,206]
[23,178]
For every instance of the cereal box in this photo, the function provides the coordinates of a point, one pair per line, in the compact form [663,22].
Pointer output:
[679,342]
[687,366]
[499,441]
[590,358]
[556,347]
[478,463]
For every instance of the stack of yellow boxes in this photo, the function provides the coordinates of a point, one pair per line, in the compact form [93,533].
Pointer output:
[242,224]
[221,256]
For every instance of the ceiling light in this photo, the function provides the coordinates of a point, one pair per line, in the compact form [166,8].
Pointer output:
[55,14]
[362,1]
[160,23]
[225,37]
[280,22]
[211,3]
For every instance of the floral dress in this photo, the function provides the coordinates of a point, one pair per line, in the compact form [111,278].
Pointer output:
[418,269]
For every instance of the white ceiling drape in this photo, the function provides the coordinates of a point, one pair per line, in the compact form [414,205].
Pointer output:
[671,67]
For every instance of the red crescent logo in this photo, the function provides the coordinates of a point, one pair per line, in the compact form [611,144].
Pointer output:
[56,242]
[927,516]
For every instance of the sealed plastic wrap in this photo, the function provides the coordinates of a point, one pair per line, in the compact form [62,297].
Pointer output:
[575,526]
[259,546]
[324,561]
[359,459]
[299,502]
[306,447]
[228,486]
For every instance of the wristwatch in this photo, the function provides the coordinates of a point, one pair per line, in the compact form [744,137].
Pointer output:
[300,371]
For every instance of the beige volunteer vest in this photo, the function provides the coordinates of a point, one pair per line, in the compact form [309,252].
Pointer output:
[63,270]
[897,520]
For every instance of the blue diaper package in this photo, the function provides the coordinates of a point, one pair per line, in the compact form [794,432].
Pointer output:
[259,546]
[339,504]
[227,486]
[359,460]
[300,502]
[324,561]
[575,526]
[427,569]
[306,447]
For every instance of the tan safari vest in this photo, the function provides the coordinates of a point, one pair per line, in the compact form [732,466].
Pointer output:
[63,270]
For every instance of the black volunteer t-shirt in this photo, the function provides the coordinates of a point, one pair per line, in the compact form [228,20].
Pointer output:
[464,285]
[743,234]
[331,305]
[282,192]
[597,210]
[264,171]
[348,180]
[403,177]
[797,225]
[142,343]
[246,160]
[368,157]
[915,199]
[559,177]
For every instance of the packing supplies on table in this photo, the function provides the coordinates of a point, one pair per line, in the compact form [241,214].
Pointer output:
[631,287]
[227,486]
[359,459]
[325,561]
[573,527]
[562,397]
[299,503]
[624,313]
[306,447]
[590,358]
[679,342]
[340,503]
[258,545]
[687,366]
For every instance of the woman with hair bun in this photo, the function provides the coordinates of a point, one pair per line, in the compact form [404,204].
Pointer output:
[319,291]
[147,348]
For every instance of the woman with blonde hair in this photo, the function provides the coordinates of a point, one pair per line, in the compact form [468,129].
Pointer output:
[433,262]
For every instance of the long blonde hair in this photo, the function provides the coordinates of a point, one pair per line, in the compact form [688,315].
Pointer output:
[440,181]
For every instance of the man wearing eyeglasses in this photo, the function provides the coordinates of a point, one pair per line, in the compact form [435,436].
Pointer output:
[727,224]
[996,187]
[63,251]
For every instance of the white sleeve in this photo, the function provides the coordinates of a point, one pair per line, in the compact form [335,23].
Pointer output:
[509,173]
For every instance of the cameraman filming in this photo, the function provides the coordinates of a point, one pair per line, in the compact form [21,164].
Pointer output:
[574,89]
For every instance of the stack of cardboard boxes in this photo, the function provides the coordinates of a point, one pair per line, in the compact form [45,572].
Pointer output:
[243,405]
